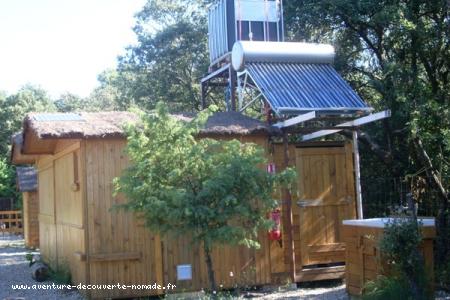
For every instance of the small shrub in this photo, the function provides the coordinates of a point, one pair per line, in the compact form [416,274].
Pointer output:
[30,258]
[61,275]
[394,288]
[443,275]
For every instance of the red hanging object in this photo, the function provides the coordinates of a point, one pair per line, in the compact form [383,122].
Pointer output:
[275,232]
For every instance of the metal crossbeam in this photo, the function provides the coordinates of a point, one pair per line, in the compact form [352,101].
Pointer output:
[354,123]
[296,120]
[215,73]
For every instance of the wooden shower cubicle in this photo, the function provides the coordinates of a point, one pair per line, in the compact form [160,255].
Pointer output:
[77,156]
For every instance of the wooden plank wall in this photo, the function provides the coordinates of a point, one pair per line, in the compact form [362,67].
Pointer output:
[30,218]
[121,250]
[61,223]
[120,233]
[233,265]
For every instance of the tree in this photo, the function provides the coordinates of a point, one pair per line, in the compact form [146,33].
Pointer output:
[396,54]
[110,95]
[7,179]
[97,101]
[13,109]
[211,190]
[170,57]
[69,102]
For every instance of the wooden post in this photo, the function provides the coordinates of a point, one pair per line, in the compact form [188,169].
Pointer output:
[357,175]
[288,218]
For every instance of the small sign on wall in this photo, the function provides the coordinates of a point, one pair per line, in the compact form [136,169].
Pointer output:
[184,272]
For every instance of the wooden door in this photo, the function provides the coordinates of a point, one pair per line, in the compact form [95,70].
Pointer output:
[326,197]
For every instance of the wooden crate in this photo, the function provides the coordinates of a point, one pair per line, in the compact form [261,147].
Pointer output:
[363,258]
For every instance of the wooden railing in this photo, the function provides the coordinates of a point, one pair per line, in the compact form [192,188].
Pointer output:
[11,221]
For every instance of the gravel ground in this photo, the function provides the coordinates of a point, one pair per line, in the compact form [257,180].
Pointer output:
[14,270]
[326,290]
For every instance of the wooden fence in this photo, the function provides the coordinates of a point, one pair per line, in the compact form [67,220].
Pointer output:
[11,222]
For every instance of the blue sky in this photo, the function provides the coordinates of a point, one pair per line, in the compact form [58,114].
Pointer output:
[62,45]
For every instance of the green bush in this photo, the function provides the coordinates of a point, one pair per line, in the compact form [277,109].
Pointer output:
[383,287]
[61,275]
[443,275]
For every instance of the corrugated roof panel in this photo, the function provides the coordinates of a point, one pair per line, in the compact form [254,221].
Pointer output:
[46,117]
[299,87]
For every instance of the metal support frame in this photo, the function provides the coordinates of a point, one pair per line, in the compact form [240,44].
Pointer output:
[288,217]
[355,123]
[215,73]
[207,82]
[296,120]
[232,77]
[241,109]
[244,85]
[359,207]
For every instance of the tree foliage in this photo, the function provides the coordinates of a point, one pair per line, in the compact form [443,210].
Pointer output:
[99,100]
[170,57]
[212,191]
[13,109]
[397,55]
[7,179]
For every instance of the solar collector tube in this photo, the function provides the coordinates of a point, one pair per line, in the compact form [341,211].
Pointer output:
[280,52]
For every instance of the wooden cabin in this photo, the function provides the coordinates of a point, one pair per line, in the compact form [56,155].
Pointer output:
[27,185]
[77,156]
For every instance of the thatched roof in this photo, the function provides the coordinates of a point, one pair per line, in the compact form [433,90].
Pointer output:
[110,124]
[78,125]
[26,179]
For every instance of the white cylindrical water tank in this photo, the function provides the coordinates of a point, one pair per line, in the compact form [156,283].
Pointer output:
[280,52]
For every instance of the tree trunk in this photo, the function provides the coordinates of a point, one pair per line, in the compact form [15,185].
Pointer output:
[209,265]
[443,248]
[431,171]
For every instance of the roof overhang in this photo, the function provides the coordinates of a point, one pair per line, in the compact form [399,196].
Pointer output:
[34,145]
[17,155]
